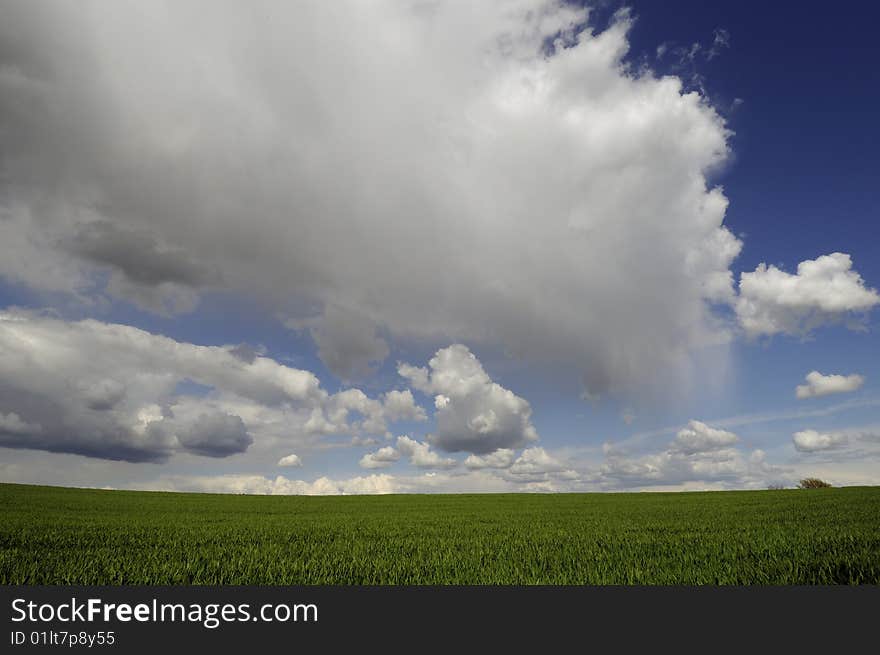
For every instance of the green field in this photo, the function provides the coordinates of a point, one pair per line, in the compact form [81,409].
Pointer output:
[52,535]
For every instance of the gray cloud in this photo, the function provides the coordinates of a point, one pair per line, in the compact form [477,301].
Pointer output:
[401,406]
[143,271]
[137,255]
[104,395]
[111,391]
[347,342]
[215,435]
[11,423]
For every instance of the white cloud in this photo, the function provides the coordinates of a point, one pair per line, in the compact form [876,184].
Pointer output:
[698,454]
[698,437]
[290,460]
[537,465]
[382,458]
[810,441]
[823,385]
[500,459]
[111,391]
[473,413]
[401,406]
[672,467]
[389,179]
[824,290]
[421,455]
[334,415]
[279,486]
[382,483]
[837,449]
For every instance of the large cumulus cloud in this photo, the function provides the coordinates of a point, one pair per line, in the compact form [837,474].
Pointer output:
[487,171]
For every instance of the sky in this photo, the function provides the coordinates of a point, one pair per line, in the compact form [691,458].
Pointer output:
[423,246]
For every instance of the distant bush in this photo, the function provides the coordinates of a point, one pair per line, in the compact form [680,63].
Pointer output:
[813,483]
[776,487]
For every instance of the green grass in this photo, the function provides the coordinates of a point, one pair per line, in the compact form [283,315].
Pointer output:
[51,535]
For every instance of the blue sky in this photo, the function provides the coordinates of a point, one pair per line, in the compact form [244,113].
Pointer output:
[565,244]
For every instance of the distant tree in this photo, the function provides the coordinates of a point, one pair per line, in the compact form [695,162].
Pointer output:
[776,487]
[813,483]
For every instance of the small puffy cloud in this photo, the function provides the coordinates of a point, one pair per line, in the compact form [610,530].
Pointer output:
[290,460]
[811,441]
[823,385]
[500,459]
[401,406]
[421,455]
[823,291]
[473,413]
[382,458]
[698,437]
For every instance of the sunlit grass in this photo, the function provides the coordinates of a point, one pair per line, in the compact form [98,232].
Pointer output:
[75,536]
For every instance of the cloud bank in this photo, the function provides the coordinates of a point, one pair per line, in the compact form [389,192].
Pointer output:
[699,453]
[113,391]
